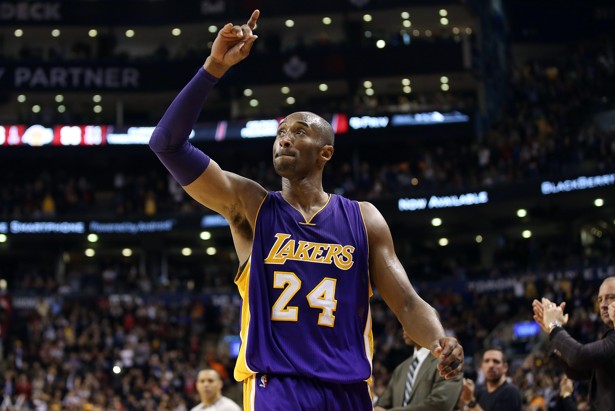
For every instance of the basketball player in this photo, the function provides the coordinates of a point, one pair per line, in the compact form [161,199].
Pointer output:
[307,257]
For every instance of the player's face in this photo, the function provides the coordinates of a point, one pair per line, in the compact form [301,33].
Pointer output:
[606,295]
[493,365]
[208,384]
[297,145]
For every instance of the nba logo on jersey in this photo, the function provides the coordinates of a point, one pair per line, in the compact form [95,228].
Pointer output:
[263,382]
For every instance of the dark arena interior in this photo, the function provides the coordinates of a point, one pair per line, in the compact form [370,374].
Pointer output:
[483,131]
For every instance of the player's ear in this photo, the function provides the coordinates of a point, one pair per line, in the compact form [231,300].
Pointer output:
[326,152]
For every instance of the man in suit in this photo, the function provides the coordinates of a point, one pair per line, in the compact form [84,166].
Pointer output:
[416,385]
[593,361]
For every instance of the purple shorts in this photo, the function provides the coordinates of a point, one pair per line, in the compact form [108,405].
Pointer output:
[289,393]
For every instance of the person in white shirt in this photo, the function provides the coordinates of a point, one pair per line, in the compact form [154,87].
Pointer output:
[209,386]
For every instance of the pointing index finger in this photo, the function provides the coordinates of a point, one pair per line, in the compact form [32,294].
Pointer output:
[254,18]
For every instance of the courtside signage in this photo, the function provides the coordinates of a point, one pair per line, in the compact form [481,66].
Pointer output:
[46,227]
[576,184]
[130,227]
[422,203]
[37,135]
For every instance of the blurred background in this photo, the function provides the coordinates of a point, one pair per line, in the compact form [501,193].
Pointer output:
[483,130]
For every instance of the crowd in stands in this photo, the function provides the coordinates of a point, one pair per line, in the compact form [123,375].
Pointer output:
[546,131]
[130,350]
[447,168]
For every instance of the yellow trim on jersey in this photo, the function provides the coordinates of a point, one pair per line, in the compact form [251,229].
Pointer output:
[249,390]
[242,371]
[368,339]
[242,280]
[308,222]
[368,336]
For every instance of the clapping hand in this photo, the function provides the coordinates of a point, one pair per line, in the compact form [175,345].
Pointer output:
[546,312]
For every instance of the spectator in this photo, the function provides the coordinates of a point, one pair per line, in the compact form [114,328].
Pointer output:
[593,361]
[497,394]
[209,385]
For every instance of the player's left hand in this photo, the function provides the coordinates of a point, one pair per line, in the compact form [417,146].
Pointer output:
[450,353]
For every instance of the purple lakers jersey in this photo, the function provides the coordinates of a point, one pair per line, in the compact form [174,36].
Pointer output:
[306,292]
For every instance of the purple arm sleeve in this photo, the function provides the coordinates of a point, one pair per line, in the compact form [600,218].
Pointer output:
[170,137]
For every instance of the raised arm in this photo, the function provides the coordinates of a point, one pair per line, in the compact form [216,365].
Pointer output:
[418,318]
[235,197]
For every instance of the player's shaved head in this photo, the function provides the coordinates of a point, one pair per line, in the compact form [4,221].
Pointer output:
[322,127]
